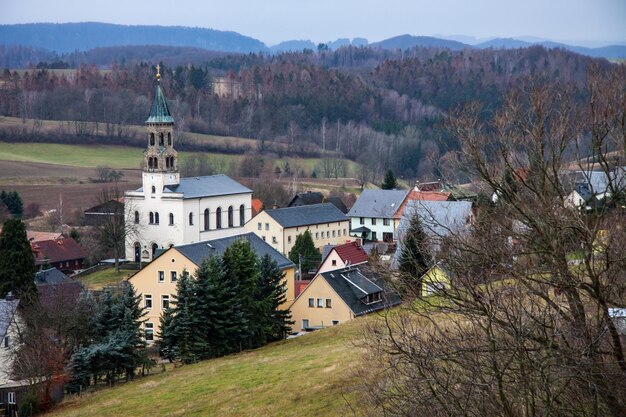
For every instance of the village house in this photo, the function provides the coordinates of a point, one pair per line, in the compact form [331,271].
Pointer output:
[342,256]
[280,227]
[374,216]
[315,197]
[63,254]
[104,212]
[156,282]
[339,295]
[168,210]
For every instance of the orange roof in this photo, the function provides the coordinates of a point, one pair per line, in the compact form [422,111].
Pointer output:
[422,196]
[33,236]
[257,205]
[351,253]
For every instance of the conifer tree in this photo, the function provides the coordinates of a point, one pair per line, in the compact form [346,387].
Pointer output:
[17,262]
[212,312]
[304,251]
[414,258]
[389,182]
[272,294]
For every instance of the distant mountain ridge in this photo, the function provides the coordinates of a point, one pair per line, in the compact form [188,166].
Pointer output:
[70,37]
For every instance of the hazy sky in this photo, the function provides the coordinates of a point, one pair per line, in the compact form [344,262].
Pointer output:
[273,21]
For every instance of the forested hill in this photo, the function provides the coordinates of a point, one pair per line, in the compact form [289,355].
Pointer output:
[68,37]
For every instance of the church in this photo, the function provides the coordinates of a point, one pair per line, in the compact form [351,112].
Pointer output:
[168,210]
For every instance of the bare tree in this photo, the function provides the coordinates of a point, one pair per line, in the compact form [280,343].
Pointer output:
[523,328]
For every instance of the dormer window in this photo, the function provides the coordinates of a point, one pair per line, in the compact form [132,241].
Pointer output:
[372,298]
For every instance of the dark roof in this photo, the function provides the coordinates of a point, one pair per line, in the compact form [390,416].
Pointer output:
[57,250]
[337,202]
[159,112]
[378,203]
[305,215]
[7,311]
[51,276]
[353,284]
[211,185]
[109,207]
[307,198]
[197,252]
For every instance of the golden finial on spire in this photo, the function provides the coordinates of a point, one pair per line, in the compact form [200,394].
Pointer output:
[158,75]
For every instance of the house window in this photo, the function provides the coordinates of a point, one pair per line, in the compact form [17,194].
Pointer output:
[260,226]
[374,236]
[334,233]
[153,189]
[334,262]
[320,303]
[372,298]
[317,235]
[344,232]
[11,399]
[136,217]
[335,322]
[242,215]
[328,303]
[373,222]
[156,218]
[148,301]
[385,222]
[218,218]
[327,234]
[190,219]
[263,237]
[230,216]
[165,302]
[274,239]
[267,226]
[149,331]
[161,276]
[151,218]
[288,239]
[207,217]
[305,323]
[311,302]
[361,220]
[173,276]
[171,219]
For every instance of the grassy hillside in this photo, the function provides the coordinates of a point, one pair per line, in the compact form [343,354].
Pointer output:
[308,376]
[105,277]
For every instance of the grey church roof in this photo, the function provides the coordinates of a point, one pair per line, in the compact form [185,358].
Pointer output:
[7,311]
[305,215]
[378,203]
[208,186]
[197,252]
[353,284]
[159,112]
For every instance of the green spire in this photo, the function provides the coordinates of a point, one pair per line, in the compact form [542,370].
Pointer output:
[159,113]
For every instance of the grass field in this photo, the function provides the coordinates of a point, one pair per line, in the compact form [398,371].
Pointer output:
[105,277]
[312,375]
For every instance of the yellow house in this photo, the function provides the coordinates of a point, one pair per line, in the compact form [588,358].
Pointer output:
[435,279]
[336,296]
[156,282]
[280,227]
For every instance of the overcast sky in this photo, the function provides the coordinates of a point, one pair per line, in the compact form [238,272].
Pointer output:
[272,21]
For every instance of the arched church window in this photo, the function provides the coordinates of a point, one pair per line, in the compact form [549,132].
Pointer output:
[171,219]
[160,139]
[167,162]
[206,219]
[136,217]
[230,216]
[190,219]
[156,218]
[151,139]
[151,218]
[154,249]
[218,218]
[150,162]
[153,189]
[156,163]
[169,138]
[242,215]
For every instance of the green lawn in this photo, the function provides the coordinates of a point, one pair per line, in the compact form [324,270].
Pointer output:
[308,376]
[104,277]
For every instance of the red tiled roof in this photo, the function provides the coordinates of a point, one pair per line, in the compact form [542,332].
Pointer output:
[423,196]
[352,253]
[300,286]
[57,250]
[257,205]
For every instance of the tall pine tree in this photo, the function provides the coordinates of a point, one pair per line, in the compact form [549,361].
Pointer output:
[17,263]
[304,252]
[272,291]
[389,183]
[414,258]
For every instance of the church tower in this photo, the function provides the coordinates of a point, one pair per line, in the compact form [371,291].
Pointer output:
[160,160]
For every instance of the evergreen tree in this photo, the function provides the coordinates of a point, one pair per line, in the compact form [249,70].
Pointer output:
[13,202]
[241,273]
[213,312]
[129,331]
[272,291]
[414,258]
[389,182]
[17,262]
[304,251]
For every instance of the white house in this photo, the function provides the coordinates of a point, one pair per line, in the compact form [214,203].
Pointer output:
[168,210]
[374,215]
